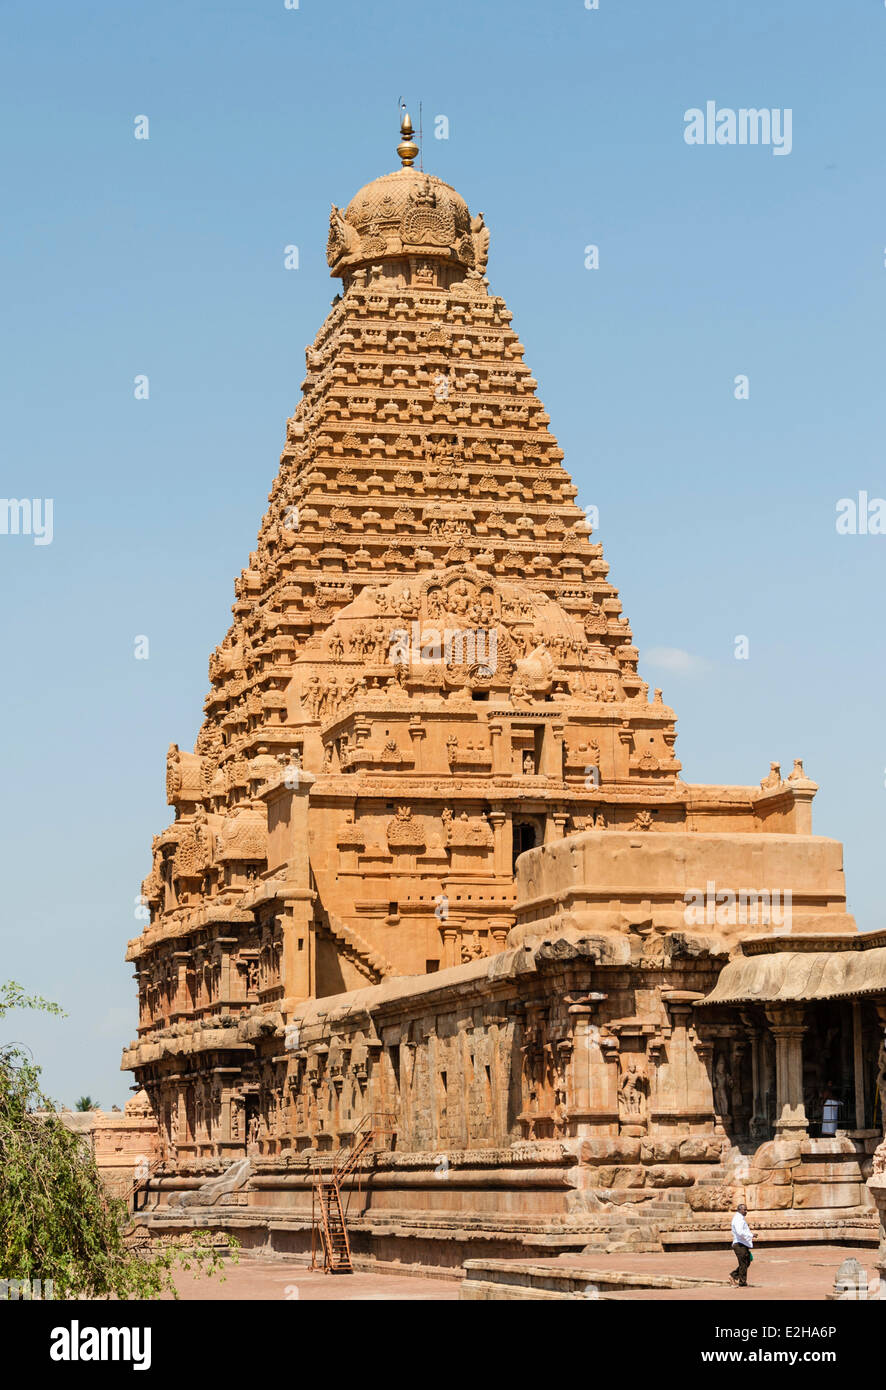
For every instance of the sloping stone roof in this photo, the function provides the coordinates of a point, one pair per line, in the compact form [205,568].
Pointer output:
[805,970]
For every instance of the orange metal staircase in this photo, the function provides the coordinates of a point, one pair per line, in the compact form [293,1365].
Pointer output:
[327,1212]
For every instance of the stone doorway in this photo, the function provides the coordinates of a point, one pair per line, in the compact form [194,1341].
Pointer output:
[526,836]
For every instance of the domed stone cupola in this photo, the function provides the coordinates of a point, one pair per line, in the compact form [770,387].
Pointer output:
[413,225]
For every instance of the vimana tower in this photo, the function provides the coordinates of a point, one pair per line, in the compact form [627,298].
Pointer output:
[432,855]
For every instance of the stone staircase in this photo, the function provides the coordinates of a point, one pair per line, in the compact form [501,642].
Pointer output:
[368,961]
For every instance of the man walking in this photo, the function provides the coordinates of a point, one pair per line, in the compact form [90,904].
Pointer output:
[742,1241]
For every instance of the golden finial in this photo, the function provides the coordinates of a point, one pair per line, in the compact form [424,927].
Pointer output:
[407,148]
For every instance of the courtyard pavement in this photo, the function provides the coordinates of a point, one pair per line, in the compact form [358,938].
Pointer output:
[281,1279]
[803,1272]
[777,1272]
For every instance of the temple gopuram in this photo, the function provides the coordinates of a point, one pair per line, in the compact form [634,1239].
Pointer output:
[434,876]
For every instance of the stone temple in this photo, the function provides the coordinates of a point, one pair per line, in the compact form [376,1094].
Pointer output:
[434,873]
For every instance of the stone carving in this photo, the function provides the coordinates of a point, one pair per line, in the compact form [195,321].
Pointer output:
[464,831]
[472,947]
[343,239]
[632,1090]
[722,1087]
[480,245]
[403,832]
[173,773]
[427,220]
[194,846]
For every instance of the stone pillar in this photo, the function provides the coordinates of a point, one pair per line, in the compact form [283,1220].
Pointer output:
[593,1103]
[180,1101]
[551,761]
[297,928]
[581,1062]
[500,732]
[858,1063]
[876,1186]
[624,751]
[451,935]
[559,819]
[227,947]
[503,839]
[786,1022]
[224,987]
[498,931]
[289,858]
[758,1126]
[417,734]
[180,1003]
[682,1087]
[555,826]
[227,1080]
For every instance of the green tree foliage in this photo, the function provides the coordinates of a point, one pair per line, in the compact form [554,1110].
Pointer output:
[86,1103]
[57,1220]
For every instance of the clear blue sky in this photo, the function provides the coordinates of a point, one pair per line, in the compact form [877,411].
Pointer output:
[165,257]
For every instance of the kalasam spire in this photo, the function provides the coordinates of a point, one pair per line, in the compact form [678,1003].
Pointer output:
[407,149]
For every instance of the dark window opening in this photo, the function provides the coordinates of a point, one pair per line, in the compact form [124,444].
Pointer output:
[525,837]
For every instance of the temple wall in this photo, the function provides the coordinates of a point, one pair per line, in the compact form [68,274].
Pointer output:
[538,1095]
[126,1147]
[592,882]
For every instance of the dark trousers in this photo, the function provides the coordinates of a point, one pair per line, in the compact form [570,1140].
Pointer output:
[743,1255]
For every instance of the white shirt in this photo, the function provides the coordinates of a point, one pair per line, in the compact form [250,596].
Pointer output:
[741,1232]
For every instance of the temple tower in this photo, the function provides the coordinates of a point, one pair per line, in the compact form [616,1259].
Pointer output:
[428,673]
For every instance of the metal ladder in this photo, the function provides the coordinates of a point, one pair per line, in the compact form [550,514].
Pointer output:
[326,1195]
[336,1246]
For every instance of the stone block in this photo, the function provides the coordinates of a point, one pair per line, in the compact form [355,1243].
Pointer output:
[831,1194]
[777,1153]
[819,1148]
[714,1198]
[660,1151]
[700,1150]
[627,1195]
[668,1175]
[768,1196]
[621,1176]
[781,1177]
[615,1150]
[829,1172]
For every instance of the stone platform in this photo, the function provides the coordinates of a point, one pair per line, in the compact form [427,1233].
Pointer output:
[527,1279]
[790,1272]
